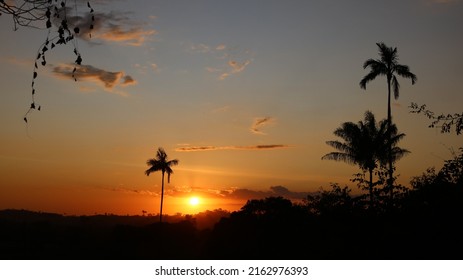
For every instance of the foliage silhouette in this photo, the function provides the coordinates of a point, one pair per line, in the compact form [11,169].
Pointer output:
[381,189]
[161,163]
[46,14]
[335,202]
[387,66]
[367,145]
[267,228]
[446,121]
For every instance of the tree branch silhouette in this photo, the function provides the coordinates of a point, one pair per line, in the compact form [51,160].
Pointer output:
[54,15]
[444,121]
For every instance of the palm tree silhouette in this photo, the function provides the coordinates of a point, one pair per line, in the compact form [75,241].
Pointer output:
[366,144]
[387,66]
[160,163]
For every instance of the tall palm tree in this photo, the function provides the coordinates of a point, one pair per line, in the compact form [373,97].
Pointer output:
[161,163]
[366,144]
[387,66]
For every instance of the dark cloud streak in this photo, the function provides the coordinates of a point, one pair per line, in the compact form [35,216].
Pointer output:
[218,148]
[113,27]
[88,72]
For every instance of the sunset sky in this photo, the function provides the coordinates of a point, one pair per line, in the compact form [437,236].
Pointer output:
[243,93]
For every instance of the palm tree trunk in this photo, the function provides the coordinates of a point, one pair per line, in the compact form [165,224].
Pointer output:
[371,189]
[162,197]
[389,123]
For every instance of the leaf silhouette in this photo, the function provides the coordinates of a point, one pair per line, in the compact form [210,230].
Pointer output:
[59,12]
[79,60]
[64,24]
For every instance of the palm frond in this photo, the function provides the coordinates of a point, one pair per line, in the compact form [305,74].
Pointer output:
[343,147]
[395,86]
[404,71]
[370,120]
[154,165]
[340,157]
[347,131]
[153,169]
[372,63]
[161,155]
[368,78]
[398,153]
[388,54]
[395,138]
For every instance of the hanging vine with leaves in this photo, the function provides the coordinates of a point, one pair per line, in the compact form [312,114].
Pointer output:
[54,15]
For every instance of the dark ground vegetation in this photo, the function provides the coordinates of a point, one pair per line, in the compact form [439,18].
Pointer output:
[423,222]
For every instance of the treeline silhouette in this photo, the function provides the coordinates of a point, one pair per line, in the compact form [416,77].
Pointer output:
[330,224]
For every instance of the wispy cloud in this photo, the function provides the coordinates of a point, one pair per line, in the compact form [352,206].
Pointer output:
[107,79]
[218,148]
[134,36]
[236,60]
[234,68]
[112,27]
[132,191]
[155,67]
[200,48]
[213,70]
[258,123]
[220,47]
[222,109]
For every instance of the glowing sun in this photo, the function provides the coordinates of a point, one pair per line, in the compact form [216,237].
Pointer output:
[193,201]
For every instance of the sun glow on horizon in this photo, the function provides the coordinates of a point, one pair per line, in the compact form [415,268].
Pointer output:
[194,201]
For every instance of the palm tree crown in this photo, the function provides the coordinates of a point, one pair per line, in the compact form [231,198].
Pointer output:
[366,144]
[387,66]
[161,163]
